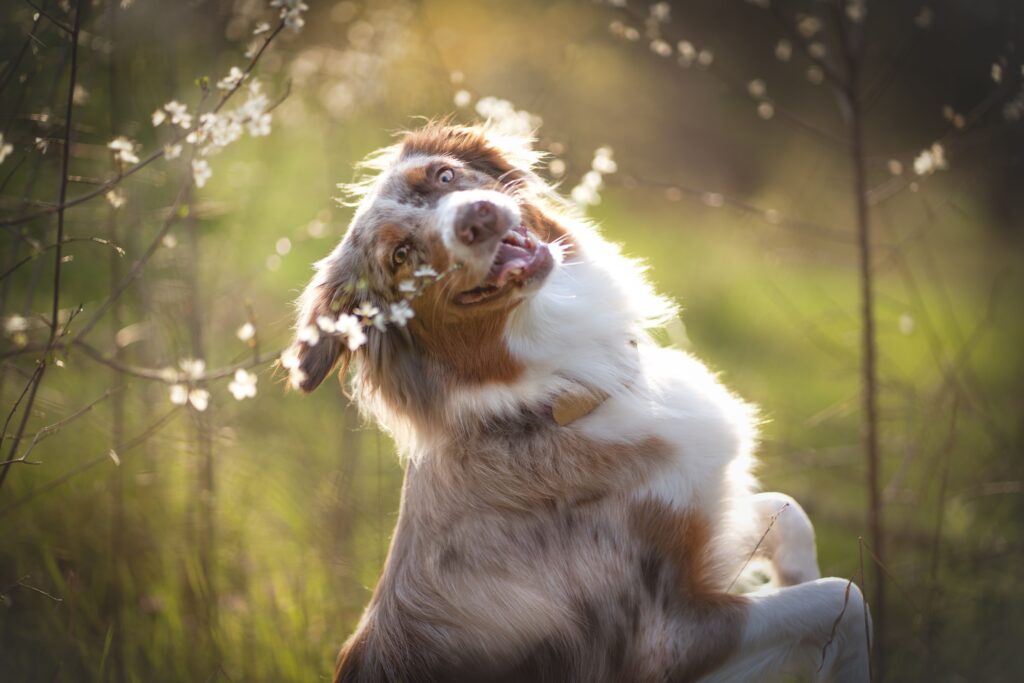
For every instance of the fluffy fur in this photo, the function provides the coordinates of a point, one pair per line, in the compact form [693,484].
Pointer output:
[600,550]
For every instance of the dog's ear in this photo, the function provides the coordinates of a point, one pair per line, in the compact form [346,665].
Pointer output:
[314,353]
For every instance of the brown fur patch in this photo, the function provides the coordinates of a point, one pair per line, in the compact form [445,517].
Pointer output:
[678,563]
[469,145]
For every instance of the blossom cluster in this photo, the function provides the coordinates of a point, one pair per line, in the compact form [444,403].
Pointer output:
[190,371]
[352,327]
[587,193]
[291,12]
[930,160]
[507,118]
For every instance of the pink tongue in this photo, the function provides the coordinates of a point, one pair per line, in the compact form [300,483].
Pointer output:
[508,257]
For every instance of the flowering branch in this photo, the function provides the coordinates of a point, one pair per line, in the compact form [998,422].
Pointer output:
[108,185]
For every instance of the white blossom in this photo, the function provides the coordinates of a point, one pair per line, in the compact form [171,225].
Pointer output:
[507,117]
[756,88]
[661,48]
[172,151]
[997,72]
[930,160]
[661,12]
[182,394]
[425,271]
[115,198]
[246,332]
[808,26]
[231,81]
[401,312]
[201,171]
[327,324]
[366,311]
[856,10]
[352,329]
[124,150]
[159,116]
[309,334]
[603,162]
[895,167]
[261,27]
[259,126]
[199,398]
[407,286]
[178,113]
[380,321]
[462,98]
[5,148]
[193,367]
[15,323]
[179,394]
[243,385]
[687,52]
[783,50]
[291,12]
[290,358]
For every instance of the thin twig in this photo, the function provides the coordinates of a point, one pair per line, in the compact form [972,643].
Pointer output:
[51,429]
[20,583]
[136,269]
[89,464]
[54,20]
[867,616]
[881,565]
[13,68]
[40,250]
[835,624]
[771,523]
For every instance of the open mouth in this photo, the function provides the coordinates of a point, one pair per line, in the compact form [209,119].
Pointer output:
[520,258]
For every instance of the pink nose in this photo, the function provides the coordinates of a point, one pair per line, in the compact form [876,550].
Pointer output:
[478,223]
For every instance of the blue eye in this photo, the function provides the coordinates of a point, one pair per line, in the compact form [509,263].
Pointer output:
[445,175]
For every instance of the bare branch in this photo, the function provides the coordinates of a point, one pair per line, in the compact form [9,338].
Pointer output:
[53,20]
[52,429]
[35,255]
[89,464]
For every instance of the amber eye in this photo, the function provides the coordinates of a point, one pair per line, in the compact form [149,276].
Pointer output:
[400,255]
[445,175]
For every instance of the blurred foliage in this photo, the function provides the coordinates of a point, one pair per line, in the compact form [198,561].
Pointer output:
[113,572]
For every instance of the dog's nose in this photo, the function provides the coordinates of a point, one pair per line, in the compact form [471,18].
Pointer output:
[479,222]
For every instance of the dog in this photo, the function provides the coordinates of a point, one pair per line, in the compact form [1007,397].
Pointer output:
[578,503]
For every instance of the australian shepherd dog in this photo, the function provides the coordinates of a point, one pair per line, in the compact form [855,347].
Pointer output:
[577,504]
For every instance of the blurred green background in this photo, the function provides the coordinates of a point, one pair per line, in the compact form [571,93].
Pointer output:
[241,543]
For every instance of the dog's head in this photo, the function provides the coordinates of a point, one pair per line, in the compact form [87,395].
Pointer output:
[454,230]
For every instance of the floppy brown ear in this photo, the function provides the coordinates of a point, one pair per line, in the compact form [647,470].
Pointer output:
[314,353]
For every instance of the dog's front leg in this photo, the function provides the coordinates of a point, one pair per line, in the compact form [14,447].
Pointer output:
[819,629]
[788,540]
